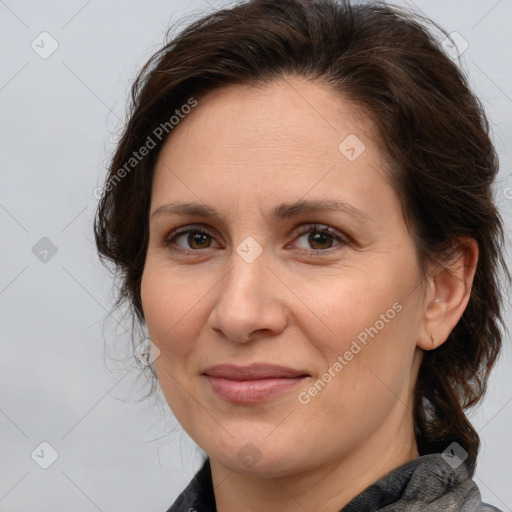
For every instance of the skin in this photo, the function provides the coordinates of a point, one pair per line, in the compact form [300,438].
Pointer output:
[243,150]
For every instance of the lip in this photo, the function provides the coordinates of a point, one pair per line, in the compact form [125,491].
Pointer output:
[255,383]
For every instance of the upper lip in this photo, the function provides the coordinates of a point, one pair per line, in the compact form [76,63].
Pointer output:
[255,371]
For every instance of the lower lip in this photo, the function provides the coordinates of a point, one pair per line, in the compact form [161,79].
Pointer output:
[252,391]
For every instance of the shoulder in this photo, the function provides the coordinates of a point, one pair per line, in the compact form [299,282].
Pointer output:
[198,496]
[449,485]
[426,484]
[484,507]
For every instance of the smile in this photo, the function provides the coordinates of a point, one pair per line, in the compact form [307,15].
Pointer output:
[256,383]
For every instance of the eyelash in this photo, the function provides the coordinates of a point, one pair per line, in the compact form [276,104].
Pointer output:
[170,239]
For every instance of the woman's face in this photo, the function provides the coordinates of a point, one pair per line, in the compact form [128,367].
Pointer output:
[288,321]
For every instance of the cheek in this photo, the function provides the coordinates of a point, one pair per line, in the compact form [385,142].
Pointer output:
[171,304]
[364,330]
[368,362]
[344,306]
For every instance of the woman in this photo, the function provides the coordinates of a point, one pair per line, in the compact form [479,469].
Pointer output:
[300,213]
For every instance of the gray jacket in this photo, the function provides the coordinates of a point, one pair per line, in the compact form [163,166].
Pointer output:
[425,484]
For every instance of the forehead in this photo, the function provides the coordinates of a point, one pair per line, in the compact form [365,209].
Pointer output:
[286,137]
[292,110]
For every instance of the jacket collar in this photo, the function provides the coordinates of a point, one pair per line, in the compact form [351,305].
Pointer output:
[425,484]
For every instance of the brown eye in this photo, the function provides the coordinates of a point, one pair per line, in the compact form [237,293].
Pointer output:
[198,240]
[317,238]
[320,240]
[188,240]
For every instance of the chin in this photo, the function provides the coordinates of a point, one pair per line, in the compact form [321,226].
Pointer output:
[255,455]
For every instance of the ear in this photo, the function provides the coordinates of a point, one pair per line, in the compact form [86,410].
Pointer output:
[447,295]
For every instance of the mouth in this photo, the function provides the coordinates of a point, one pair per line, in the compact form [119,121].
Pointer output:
[255,383]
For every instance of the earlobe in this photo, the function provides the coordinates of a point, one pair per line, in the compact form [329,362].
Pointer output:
[448,294]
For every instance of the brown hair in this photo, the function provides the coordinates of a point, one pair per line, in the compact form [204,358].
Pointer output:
[432,128]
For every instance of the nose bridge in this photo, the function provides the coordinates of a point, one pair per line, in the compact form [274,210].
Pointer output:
[247,261]
[246,300]
[247,273]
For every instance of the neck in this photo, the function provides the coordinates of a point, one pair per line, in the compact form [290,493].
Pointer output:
[324,489]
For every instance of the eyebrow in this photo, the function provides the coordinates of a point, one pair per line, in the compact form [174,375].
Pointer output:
[282,211]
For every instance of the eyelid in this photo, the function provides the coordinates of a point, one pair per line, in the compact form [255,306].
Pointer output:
[183,230]
[322,228]
[300,230]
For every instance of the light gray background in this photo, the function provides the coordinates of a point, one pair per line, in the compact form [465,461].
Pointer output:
[60,117]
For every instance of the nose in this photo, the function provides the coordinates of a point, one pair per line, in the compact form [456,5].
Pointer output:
[248,303]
